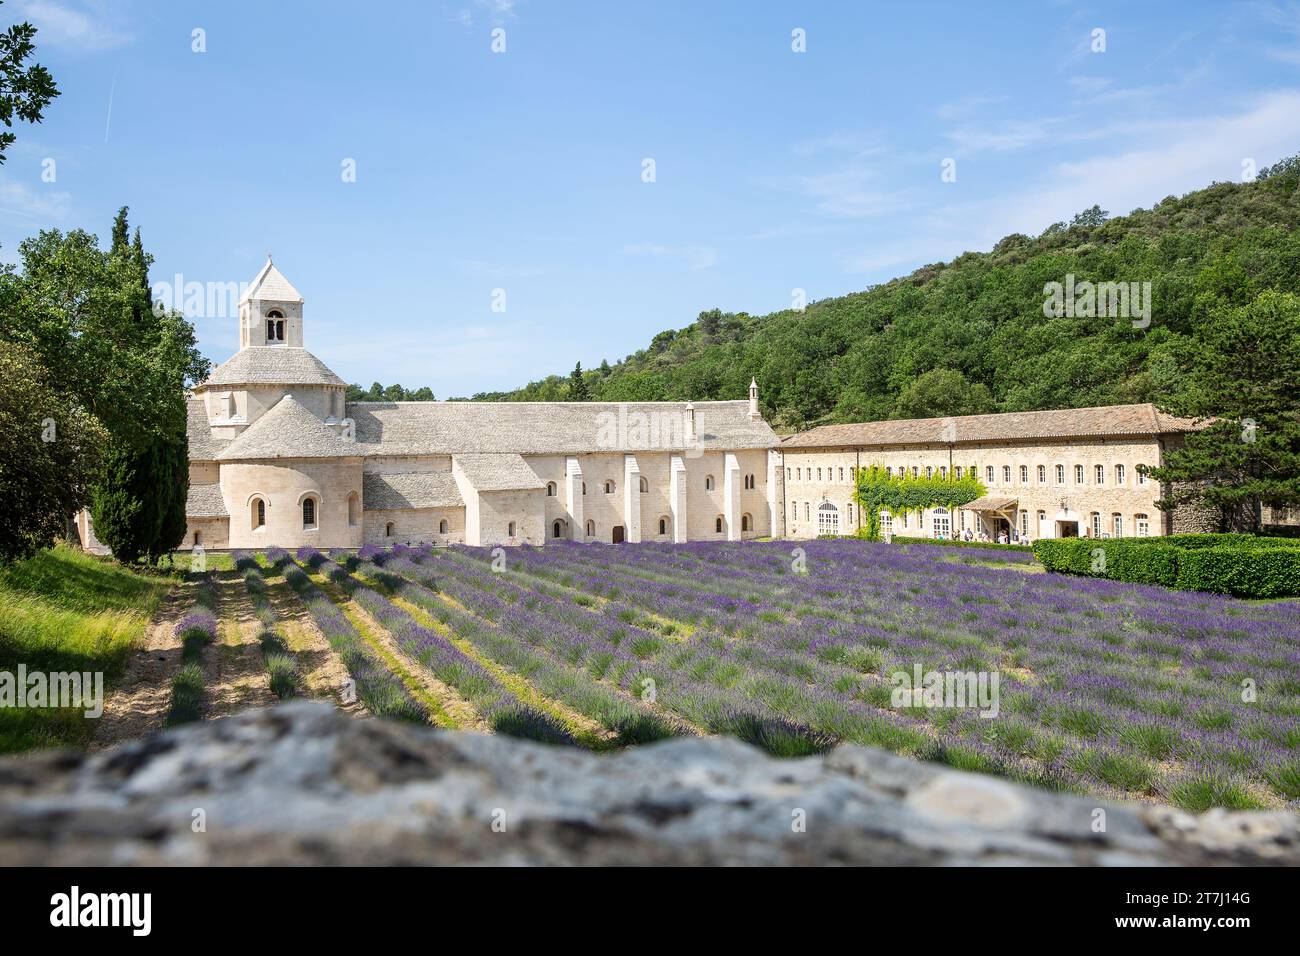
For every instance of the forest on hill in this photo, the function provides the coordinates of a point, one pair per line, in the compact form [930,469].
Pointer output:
[970,335]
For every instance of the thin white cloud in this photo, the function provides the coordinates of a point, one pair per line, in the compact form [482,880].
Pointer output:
[42,204]
[87,26]
[695,258]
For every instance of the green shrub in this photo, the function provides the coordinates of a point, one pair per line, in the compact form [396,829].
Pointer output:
[1241,565]
[958,543]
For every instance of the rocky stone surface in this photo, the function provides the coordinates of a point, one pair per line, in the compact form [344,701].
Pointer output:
[304,784]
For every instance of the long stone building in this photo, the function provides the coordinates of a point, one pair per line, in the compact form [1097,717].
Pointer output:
[1051,474]
[278,456]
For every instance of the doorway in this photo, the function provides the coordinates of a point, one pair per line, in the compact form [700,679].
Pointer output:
[618,534]
[1067,529]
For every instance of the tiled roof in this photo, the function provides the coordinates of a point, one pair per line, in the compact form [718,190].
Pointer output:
[1107,420]
[203,447]
[989,503]
[550,428]
[269,284]
[498,472]
[205,501]
[288,430]
[399,492]
[271,365]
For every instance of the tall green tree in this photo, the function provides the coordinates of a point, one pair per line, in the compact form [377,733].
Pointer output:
[25,88]
[578,385]
[1244,379]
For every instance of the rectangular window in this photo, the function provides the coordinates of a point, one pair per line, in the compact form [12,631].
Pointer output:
[1060,474]
[1078,474]
[788,474]
[1117,526]
[1096,524]
[988,473]
[1042,475]
[1024,523]
[1099,473]
[1024,474]
[1119,474]
[1142,479]
[841,474]
[1006,474]
[957,471]
[929,472]
[1143,526]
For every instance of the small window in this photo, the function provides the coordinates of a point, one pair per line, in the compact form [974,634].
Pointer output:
[943,472]
[1119,474]
[354,509]
[1006,474]
[988,473]
[557,530]
[591,529]
[745,523]
[663,525]
[644,485]
[1042,474]
[708,482]
[1142,477]
[1143,525]
[1024,474]
[799,473]
[929,471]
[1078,474]
[841,474]
[717,524]
[388,530]
[916,472]
[442,527]
[609,487]
[309,513]
[957,471]
[889,471]
[259,513]
[788,475]
[819,474]
[1099,474]
[550,489]
[510,530]
[1060,474]
[198,538]
[584,489]
[1117,525]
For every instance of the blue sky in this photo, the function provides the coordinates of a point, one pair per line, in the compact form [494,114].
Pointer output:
[522,170]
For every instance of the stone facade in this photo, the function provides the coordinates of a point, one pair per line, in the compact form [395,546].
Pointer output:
[277,457]
[1058,482]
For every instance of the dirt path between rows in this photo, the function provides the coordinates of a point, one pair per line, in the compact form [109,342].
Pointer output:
[138,705]
[234,672]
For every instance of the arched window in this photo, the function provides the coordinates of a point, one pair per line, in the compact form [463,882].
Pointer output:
[717,524]
[510,530]
[309,512]
[1119,474]
[259,513]
[663,525]
[275,326]
[591,529]
[1042,474]
[609,487]
[1024,474]
[1099,474]
[1006,474]
[354,509]
[198,538]
[988,473]
[388,530]
[1060,474]
[708,482]
[557,530]
[550,489]
[1078,474]
[1143,525]
[940,523]
[645,486]
[819,474]
[929,472]
[746,523]
[442,526]
[584,489]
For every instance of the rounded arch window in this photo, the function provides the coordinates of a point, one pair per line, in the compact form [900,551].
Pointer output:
[388,530]
[591,529]
[609,487]
[550,489]
[645,485]
[275,326]
[354,509]
[309,512]
[746,523]
[663,525]
[557,529]
[708,482]
[717,524]
[510,529]
[258,508]
[442,526]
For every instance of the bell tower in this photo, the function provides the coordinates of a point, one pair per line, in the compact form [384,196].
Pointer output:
[270,312]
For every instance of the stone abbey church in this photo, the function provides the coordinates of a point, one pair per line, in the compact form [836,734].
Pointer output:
[279,457]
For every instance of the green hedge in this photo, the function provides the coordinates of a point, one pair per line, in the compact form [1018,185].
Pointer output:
[1242,565]
[992,545]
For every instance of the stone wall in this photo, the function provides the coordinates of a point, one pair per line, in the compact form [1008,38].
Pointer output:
[305,784]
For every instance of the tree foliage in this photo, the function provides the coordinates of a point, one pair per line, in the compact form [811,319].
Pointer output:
[25,88]
[389,393]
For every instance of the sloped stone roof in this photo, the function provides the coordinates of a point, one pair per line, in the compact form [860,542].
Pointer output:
[550,428]
[205,501]
[405,491]
[1144,419]
[271,365]
[203,447]
[498,472]
[288,430]
[270,284]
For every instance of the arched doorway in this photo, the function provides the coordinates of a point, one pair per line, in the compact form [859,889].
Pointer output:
[828,519]
[618,534]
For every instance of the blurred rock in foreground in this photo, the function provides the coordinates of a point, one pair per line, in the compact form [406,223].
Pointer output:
[304,784]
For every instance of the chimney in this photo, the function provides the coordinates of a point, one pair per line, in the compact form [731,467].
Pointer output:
[753,400]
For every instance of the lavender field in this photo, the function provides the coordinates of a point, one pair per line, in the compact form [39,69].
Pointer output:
[1113,689]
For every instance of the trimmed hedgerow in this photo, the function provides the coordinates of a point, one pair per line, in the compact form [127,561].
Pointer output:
[1241,565]
[957,543]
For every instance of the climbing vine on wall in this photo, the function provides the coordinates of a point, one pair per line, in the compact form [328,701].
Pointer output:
[877,490]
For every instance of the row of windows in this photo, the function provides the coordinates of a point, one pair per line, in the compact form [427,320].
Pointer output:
[1098,526]
[309,509]
[990,473]
[552,489]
